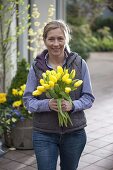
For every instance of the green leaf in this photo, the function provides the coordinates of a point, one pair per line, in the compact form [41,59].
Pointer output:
[65,96]
[1,7]
[53,94]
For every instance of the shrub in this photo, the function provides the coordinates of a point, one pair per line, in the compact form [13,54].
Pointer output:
[101,22]
[80,41]
[19,79]
[104,44]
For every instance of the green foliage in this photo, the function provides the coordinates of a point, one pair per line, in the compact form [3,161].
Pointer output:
[102,22]
[90,32]
[104,44]
[20,77]
[80,42]
[102,40]
[88,10]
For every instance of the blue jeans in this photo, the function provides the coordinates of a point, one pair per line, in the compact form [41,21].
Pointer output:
[48,146]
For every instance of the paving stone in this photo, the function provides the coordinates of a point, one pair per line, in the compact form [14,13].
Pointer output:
[105,163]
[27,160]
[98,143]
[89,149]
[102,153]
[93,167]
[13,166]
[88,158]
[14,155]
[28,168]
[82,165]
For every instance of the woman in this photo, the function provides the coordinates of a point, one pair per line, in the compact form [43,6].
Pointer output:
[49,139]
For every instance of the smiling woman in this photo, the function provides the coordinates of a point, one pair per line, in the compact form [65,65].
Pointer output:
[49,136]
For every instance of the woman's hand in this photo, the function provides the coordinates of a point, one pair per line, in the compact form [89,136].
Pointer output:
[66,106]
[53,104]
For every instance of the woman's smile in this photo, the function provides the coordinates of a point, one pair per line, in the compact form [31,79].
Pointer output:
[55,42]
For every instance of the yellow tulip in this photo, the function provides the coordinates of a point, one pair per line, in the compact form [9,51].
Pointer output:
[60,70]
[53,72]
[78,83]
[51,83]
[66,76]
[73,73]
[48,72]
[41,81]
[68,81]
[41,88]
[53,78]
[67,89]
[36,93]
[58,76]
[44,75]
[47,86]
[66,71]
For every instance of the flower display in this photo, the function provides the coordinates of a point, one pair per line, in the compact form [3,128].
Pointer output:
[12,109]
[2,97]
[58,85]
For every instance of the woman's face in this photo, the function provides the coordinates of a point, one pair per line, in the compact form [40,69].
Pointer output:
[55,42]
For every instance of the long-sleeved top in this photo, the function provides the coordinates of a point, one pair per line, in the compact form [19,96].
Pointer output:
[34,105]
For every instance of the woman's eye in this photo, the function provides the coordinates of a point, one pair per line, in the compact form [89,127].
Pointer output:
[60,39]
[51,39]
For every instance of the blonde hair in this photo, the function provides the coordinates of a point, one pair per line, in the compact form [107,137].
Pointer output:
[58,24]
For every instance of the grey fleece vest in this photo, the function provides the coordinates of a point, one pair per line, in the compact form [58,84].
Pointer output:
[48,121]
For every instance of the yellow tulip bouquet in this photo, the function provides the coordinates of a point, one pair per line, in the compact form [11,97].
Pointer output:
[58,85]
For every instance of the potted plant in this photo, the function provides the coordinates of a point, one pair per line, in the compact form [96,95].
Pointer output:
[16,121]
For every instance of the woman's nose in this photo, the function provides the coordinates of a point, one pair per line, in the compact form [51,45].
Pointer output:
[56,42]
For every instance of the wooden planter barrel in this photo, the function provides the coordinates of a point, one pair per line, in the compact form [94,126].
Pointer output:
[20,136]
